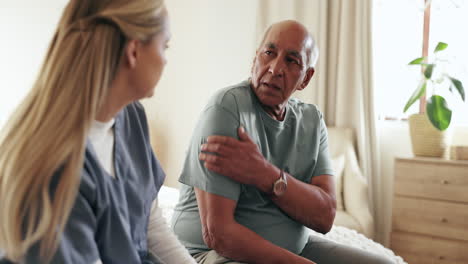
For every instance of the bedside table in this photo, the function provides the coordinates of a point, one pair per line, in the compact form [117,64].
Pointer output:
[430,211]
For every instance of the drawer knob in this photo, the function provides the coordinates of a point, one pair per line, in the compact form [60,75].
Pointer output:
[441,257]
[445,182]
[444,220]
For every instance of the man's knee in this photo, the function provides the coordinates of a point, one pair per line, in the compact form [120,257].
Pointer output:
[325,251]
[386,260]
[377,259]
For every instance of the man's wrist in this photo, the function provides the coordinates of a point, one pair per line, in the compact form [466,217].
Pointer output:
[269,178]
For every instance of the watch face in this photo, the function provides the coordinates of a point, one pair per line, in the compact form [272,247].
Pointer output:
[279,188]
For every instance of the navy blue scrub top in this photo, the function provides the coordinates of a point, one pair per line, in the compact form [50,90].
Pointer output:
[109,220]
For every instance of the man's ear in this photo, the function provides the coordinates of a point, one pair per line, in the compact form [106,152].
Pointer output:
[253,62]
[308,76]
[131,52]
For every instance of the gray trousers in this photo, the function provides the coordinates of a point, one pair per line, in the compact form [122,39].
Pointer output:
[317,249]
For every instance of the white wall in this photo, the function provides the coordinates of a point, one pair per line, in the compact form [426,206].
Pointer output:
[394,141]
[26,29]
[212,46]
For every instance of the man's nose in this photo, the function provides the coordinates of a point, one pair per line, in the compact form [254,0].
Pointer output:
[277,67]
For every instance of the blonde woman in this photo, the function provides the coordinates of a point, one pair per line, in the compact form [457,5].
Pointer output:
[78,179]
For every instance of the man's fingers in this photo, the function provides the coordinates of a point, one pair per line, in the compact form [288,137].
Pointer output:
[207,157]
[212,158]
[213,167]
[243,134]
[216,165]
[218,148]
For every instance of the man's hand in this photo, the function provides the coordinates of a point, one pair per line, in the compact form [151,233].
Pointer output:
[240,160]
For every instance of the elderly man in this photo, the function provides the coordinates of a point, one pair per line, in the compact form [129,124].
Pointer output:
[257,172]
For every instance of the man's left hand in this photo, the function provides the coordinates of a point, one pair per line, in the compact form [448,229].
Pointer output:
[240,160]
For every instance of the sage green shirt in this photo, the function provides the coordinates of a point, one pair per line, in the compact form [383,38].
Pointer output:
[297,145]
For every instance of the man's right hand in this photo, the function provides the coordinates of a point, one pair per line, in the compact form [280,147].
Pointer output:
[240,160]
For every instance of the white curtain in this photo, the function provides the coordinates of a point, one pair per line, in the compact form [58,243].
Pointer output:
[342,85]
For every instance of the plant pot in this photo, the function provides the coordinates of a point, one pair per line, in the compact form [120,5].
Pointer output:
[428,141]
[459,153]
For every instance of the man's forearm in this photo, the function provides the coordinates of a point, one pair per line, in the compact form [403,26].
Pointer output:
[239,243]
[308,204]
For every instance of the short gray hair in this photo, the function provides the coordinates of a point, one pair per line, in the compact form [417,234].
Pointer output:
[312,52]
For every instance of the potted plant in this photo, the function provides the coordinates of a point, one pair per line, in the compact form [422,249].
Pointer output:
[428,130]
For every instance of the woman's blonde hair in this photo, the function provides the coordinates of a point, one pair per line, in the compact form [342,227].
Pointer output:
[43,143]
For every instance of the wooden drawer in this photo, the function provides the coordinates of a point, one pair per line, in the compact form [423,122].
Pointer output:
[432,178]
[419,249]
[435,218]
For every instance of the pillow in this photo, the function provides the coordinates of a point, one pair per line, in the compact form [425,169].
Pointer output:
[338,166]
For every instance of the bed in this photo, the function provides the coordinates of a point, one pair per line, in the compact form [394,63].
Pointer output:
[168,197]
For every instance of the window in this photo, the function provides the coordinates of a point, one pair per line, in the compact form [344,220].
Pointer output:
[398,33]
[448,22]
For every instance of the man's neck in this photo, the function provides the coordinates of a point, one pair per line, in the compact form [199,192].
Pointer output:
[277,112]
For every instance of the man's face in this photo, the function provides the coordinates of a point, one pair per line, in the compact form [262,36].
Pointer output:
[280,65]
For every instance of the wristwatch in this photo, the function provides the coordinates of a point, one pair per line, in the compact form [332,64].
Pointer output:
[280,185]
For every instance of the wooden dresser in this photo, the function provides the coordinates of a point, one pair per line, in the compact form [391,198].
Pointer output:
[430,211]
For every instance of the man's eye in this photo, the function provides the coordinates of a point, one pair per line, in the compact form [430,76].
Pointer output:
[294,61]
[268,52]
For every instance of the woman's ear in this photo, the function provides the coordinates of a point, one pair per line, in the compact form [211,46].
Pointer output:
[131,52]
[308,76]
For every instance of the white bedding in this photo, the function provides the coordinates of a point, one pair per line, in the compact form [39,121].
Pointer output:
[168,197]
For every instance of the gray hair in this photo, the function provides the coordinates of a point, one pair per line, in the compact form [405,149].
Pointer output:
[312,52]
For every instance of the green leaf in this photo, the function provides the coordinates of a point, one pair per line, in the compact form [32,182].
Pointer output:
[415,96]
[417,61]
[428,71]
[438,112]
[440,46]
[459,86]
